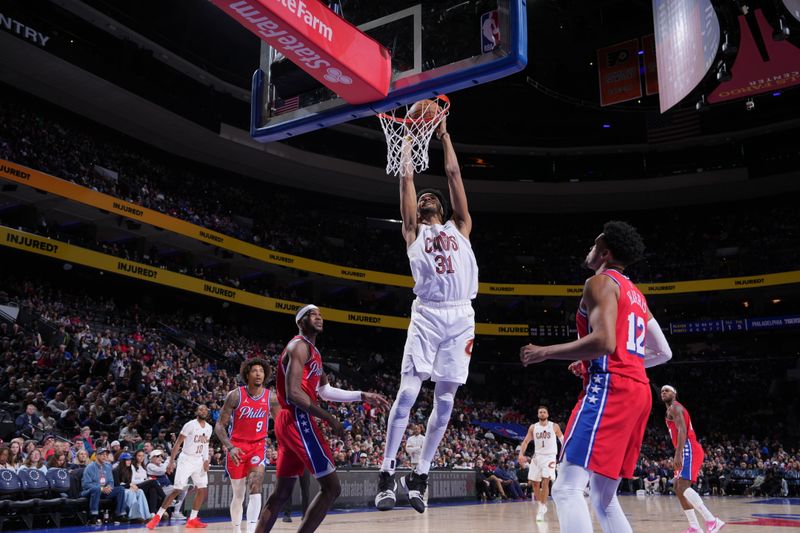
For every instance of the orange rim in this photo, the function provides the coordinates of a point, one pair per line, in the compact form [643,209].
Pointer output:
[443,109]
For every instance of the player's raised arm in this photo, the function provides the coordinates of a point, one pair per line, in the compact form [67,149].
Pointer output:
[408,196]
[298,354]
[600,295]
[458,196]
[221,427]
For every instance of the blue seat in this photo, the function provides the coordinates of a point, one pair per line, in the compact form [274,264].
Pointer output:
[58,479]
[34,483]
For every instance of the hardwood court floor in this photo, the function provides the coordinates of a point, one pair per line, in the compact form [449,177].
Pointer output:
[648,514]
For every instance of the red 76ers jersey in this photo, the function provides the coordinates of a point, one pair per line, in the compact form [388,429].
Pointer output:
[312,372]
[250,419]
[627,359]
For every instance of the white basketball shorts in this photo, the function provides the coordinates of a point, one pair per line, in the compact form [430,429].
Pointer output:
[190,467]
[439,342]
[542,466]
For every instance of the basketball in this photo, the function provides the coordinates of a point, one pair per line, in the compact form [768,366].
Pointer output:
[424,109]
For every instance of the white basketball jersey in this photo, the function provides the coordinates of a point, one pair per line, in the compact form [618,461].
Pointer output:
[443,265]
[545,439]
[195,445]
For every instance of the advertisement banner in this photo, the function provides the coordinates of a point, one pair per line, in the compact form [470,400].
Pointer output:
[359,487]
[650,64]
[762,64]
[507,430]
[327,47]
[738,324]
[620,79]
[66,189]
[74,254]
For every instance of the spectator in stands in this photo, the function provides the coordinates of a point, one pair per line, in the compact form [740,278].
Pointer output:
[157,470]
[5,453]
[57,460]
[651,477]
[48,423]
[414,444]
[34,461]
[508,478]
[57,405]
[82,459]
[98,483]
[135,499]
[14,455]
[69,423]
[151,488]
[115,449]
[86,438]
[28,422]
[48,446]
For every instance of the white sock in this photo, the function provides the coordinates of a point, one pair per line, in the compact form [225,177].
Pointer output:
[161,512]
[603,495]
[573,513]
[388,465]
[398,418]
[253,509]
[423,467]
[692,518]
[697,503]
[444,395]
[237,502]
[193,514]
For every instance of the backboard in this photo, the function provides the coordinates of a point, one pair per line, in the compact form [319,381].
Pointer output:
[437,46]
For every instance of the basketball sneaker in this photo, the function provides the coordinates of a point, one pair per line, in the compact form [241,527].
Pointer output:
[416,484]
[541,512]
[386,498]
[153,523]
[177,515]
[712,526]
[195,523]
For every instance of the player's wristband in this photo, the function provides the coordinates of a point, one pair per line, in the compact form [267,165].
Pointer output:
[332,394]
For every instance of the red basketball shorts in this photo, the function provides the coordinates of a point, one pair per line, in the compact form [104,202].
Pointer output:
[606,428]
[253,455]
[301,445]
[692,461]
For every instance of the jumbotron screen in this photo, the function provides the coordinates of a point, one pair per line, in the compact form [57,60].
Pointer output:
[687,38]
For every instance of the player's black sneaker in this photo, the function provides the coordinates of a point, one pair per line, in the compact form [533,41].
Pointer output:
[386,498]
[416,484]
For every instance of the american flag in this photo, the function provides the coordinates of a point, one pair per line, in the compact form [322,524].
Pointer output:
[673,125]
[287,105]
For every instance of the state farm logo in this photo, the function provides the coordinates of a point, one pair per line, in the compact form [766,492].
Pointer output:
[334,75]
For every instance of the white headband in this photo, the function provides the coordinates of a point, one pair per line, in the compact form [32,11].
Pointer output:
[303,310]
[669,387]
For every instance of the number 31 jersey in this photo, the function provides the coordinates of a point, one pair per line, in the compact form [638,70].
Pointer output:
[443,264]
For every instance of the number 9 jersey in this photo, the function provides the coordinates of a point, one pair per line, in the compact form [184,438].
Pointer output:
[248,432]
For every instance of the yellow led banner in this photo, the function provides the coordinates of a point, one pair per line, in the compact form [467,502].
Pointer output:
[40,180]
[74,254]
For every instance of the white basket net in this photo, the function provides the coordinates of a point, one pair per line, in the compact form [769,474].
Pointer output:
[407,138]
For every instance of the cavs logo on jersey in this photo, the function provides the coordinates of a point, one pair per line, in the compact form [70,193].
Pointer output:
[544,434]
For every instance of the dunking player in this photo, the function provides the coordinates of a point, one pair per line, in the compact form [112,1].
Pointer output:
[442,328]
[688,461]
[542,469]
[301,445]
[604,433]
[246,415]
[193,462]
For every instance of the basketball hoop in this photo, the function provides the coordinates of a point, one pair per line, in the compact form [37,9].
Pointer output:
[408,131]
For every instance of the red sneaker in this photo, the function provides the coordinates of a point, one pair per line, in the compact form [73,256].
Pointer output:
[153,523]
[195,523]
